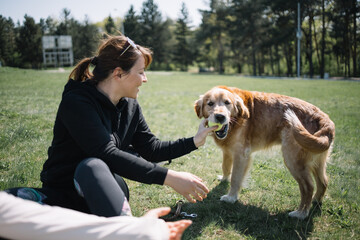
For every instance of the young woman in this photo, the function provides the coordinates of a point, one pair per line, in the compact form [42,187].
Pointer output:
[101,136]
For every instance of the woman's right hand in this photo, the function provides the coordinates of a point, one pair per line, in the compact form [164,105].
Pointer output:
[187,184]
[202,133]
[176,229]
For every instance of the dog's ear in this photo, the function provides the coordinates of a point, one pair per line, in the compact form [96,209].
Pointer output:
[242,110]
[198,106]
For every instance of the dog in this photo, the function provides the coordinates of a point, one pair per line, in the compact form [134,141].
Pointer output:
[253,121]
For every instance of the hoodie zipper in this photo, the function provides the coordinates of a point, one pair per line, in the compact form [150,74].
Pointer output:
[115,133]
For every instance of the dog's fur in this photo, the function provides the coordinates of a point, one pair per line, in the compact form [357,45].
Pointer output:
[253,121]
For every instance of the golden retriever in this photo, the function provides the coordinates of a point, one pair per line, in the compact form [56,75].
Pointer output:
[252,121]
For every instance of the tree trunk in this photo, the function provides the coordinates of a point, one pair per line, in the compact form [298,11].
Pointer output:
[239,68]
[288,57]
[316,45]
[291,63]
[354,55]
[253,58]
[260,64]
[346,36]
[277,57]
[238,62]
[322,60]
[221,55]
[311,67]
[347,44]
[272,62]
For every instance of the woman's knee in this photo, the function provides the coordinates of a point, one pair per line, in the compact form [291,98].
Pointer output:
[91,167]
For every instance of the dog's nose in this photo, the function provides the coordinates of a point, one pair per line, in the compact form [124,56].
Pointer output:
[220,118]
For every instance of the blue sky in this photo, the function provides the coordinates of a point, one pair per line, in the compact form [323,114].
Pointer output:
[96,10]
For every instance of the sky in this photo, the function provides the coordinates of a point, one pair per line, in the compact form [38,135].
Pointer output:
[96,10]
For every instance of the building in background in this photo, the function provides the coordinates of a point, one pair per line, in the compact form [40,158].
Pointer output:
[57,51]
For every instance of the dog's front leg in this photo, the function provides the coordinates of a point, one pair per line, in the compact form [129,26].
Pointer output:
[241,163]
[226,166]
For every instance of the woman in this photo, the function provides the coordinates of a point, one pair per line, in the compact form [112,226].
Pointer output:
[100,136]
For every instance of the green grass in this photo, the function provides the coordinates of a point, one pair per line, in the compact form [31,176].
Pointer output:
[28,104]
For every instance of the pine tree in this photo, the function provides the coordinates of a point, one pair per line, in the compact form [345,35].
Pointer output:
[84,38]
[214,29]
[154,33]
[132,25]
[110,27]
[7,42]
[183,55]
[64,27]
[29,43]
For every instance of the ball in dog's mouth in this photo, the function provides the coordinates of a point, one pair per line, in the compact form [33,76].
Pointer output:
[222,133]
[212,124]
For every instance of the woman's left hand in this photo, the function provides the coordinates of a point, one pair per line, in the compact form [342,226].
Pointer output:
[187,184]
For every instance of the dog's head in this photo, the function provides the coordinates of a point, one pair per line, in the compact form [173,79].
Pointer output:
[221,105]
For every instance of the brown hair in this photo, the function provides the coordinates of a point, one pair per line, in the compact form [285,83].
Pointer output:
[108,58]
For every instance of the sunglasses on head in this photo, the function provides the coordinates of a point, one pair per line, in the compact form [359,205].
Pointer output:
[131,44]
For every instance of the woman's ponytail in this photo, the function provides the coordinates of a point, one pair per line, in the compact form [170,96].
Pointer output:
[81,71]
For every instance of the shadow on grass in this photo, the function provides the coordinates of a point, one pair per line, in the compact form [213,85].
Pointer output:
[218,219]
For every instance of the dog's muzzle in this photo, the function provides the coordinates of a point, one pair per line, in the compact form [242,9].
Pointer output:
[222,133]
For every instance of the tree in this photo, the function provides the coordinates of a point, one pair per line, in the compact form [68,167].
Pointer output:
[322,60]
[354,9]
[110,27]
[50,26]
[246,24]
[309,9]
[64,27]
[154,33]
[341,33]
[8,54]
[239,43]
[29,43]
[183,55]
[283,15]
[132,25]
[84,37]
[213,29]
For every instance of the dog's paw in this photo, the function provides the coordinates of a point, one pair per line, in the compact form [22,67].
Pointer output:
[223,178]
[299,214]
[229,199]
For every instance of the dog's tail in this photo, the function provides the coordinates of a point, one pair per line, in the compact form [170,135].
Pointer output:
[318,142]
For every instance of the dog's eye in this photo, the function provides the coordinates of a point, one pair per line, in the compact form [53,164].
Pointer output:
[227,102]
[210,103]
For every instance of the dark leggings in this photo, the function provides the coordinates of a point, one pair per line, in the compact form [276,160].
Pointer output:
[103,191]
[98,191]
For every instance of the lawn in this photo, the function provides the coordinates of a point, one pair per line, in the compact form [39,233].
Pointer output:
[28,104]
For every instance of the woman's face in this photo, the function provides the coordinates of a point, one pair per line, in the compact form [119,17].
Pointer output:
[134,79]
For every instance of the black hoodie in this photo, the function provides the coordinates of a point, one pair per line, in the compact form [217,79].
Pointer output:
[89,125]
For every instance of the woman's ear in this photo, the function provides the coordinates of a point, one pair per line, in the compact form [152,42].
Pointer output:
[118,72]
[242,110]
[198,107]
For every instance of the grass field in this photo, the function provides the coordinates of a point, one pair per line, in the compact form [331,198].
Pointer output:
[28,104]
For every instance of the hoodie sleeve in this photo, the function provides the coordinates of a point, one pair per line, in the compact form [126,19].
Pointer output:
[155,150]
[82,120]
[23,219]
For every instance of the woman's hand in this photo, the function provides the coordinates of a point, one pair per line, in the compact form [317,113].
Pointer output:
[203,132]
[176,229]
[187,184]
